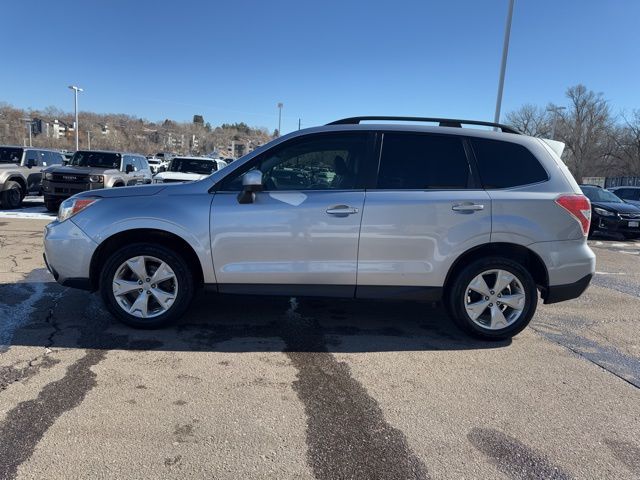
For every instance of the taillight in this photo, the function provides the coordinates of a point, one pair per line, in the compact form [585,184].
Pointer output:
[579,207]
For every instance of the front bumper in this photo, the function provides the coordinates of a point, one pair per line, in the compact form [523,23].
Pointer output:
[615,224]
[67,253]
[62,190]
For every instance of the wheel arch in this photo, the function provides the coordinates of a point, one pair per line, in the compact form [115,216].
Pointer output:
[144,235]
[518,253]
[17,179]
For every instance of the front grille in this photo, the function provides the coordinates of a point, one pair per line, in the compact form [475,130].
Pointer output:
[70,178]
[630,216]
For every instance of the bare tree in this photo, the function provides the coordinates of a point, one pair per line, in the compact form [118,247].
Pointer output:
[587,128]
[531,120]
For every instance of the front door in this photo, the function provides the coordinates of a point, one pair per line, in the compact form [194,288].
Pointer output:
[301,233]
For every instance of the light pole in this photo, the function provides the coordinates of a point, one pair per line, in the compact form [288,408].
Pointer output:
[503,65]
[29,123]
[75,91]
[556,114]
[88,139]
[280,105]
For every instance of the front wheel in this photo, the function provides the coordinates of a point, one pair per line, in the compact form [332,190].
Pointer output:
[146,286]
[51,205]
[493,298]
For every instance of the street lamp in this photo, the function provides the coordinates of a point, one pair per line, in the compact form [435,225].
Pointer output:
[556,112]
[503,65]
[75,91]
[280,105]
[29,123]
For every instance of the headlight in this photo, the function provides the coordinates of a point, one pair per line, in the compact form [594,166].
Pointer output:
[604,213]
[48,176]
[96,178]
[71,206]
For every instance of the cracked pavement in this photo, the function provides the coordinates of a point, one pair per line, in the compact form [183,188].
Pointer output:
[249,387]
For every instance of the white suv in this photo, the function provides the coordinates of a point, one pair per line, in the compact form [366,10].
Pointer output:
[480,219]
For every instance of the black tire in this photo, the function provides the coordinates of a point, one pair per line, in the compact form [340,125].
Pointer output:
[51,205]
[12,195]
[457,294]
[179,266]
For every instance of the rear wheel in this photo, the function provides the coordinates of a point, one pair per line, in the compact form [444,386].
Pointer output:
[493,298]
[146,286]
[12,195]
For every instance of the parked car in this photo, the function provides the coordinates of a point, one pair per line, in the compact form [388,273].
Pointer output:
[188,169]
[609,213]
[156,165]
[479,219]
[21,172]
[93,170]
[628,194]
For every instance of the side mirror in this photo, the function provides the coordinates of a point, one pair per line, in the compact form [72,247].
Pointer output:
[251,183]
[31,163]
[128,168]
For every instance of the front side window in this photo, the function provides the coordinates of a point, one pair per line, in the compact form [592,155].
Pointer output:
[320,162]
[32,155]
[505,164]
[422,162]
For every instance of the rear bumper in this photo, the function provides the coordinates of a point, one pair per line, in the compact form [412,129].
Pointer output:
[570,265]
[560,293]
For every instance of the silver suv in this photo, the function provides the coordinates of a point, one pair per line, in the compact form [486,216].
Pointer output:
[91,170]
[21,172]
[480,219]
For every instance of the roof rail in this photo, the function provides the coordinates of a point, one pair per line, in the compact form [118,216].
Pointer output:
[442,122]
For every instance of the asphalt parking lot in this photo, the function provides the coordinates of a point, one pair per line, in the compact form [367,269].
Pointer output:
[249,387]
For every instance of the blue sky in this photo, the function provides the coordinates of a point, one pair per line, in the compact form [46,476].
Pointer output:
[233,61]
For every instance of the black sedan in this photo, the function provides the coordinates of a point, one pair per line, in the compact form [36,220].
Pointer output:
[611,214]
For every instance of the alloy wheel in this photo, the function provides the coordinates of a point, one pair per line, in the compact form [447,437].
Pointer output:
[494,299]
[145,286]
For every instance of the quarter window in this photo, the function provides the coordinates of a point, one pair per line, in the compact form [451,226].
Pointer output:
[505,164]
[422,162]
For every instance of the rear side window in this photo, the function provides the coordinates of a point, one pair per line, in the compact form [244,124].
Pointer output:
[504,164]
[422,162]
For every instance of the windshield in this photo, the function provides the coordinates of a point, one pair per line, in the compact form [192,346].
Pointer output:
[188,165]
[10,154]
[96,159]
[596,194]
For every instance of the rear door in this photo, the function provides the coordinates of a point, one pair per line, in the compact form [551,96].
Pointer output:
[425,210]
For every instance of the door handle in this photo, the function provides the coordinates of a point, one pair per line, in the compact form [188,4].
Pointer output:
[467,207]
[341,210]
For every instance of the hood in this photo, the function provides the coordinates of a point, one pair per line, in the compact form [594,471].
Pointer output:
[73,170]
[617,207]
[9,166]
[135,191]
[181,176]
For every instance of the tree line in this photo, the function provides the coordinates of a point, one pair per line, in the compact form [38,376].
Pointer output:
[599,142]
[127,132]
